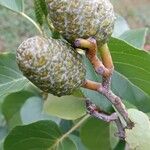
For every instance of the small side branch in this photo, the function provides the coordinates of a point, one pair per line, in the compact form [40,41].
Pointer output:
[99,114]
[117,102]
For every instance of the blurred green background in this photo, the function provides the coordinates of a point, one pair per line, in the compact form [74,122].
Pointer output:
[14,28]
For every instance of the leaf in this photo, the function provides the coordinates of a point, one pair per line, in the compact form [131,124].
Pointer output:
[77,142]
[14,5]
[38,12]
[132,63]
[114,140]
[120,145]
[31,111]
[95,134]
[1,145]
[11,79]
[120,26]
[95,97]
[12,105]
[139,136]
[115,143]
[65,125]
[66,107]
[135,37]
[132,96]
[42,135]
[44,7]
[135,96]
[3,130]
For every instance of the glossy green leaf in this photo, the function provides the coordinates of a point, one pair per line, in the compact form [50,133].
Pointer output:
[135,37]
[132,63]
[14,5]
[42,135]
[95,134]
[31,111]
[11,79]
[120,26]
[12,105]
[66,107]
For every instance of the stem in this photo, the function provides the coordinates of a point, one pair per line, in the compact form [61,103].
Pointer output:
[106,84]
[121,131]
[106,57]
[88,84]
[91,53]
[70,131]
[117,102]
[99,114]
[32,21]
[94,111]
[104,68]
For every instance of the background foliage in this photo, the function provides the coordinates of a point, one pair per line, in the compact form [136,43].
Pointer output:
[29,122]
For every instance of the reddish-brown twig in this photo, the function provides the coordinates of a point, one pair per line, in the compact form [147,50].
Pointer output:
[104,68]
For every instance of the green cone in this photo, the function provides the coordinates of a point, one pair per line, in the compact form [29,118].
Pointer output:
[52,65]
[82,18]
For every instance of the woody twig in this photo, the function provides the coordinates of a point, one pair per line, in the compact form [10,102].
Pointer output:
[96,112]
[103,67]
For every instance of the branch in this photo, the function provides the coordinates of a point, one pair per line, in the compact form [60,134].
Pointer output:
[99,114]
[90,44]
[104,68]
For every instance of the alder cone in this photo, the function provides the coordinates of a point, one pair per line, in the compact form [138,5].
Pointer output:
[52,65]
[82,18]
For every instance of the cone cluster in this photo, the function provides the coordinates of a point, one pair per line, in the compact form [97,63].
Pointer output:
[53,65]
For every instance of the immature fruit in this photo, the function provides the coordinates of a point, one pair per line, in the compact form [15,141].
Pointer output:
[82,18]
[52,65]
[138,138]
